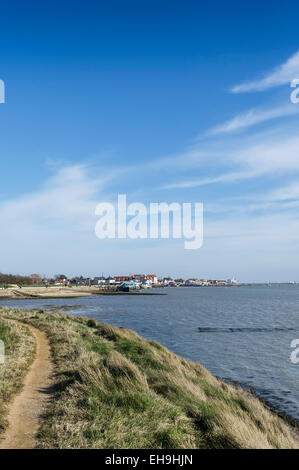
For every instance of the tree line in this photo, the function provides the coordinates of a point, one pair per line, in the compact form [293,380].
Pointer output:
[6,279]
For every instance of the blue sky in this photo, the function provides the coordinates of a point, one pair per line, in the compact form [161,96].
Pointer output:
[163,101]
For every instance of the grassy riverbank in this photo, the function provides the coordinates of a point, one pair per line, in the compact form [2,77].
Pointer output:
[114,389]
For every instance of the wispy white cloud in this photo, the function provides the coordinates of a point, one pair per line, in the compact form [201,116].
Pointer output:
[281,75]
[267,157]
[224,178]
[66,195]
[285,193]
[53,227]
[191,157]
[273,155]
[253,117]
[288,195]
[277,200]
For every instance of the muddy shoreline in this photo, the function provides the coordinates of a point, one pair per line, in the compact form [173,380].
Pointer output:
[62,293]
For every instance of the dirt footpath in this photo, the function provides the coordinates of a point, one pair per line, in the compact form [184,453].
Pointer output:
[27,408]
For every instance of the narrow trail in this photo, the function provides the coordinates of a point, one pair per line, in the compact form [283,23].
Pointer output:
[26,409]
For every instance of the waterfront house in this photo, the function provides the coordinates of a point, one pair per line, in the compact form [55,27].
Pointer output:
[120,279]
[98,281]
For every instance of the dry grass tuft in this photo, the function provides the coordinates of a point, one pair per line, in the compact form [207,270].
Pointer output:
[19,354]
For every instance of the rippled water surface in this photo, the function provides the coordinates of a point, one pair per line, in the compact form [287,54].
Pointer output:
[240,334]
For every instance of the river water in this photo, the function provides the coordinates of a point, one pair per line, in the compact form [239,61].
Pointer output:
[240,334]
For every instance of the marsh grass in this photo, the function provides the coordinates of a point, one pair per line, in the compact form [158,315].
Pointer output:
[114,389]
[19,354]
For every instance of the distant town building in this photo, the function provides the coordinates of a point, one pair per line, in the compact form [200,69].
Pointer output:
[139,279]
[119,279]
[35,278]
[100,280]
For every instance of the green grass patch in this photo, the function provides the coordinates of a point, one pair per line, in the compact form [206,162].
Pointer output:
[9,339]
